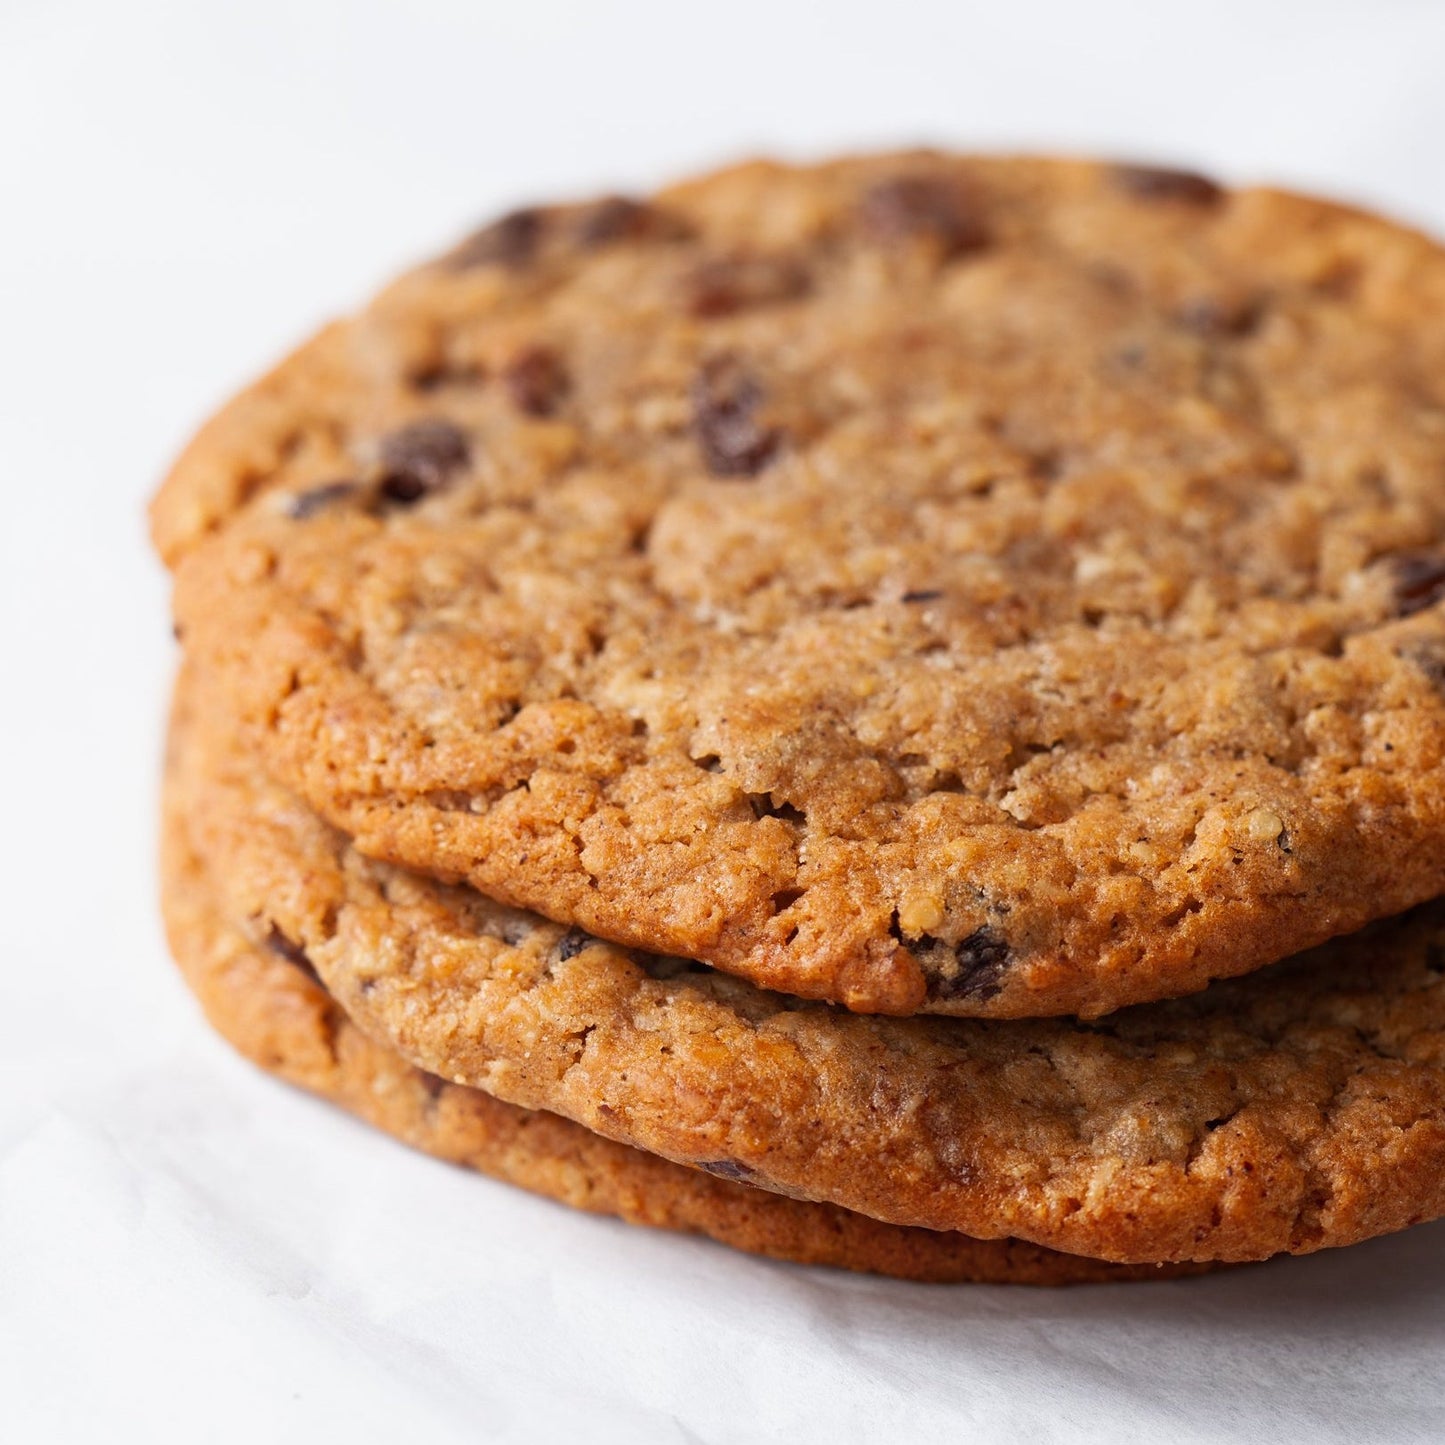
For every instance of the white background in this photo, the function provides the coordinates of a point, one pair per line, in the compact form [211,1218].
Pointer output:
[190,1252]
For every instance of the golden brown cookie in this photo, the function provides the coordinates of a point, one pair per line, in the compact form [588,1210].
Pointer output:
[994,587]
[1300,1108]
[278,1015]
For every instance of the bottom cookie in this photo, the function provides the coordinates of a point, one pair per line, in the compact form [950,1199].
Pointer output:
[273,1011]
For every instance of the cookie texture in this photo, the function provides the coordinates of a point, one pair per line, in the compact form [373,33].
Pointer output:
[1300,1108]
[930,584]
[274,1011]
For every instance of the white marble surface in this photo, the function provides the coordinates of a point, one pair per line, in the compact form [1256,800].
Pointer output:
[189,1252]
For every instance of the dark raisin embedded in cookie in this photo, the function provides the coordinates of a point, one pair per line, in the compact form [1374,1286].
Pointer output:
[420,457]
[729,284]
[291,951]
[971,968]
[1214,316]
[1158,183]
[621,218]
[726,400]
[510,241]
[613,218]
[571,944]
[536,380]
[922,207]
[1418,579]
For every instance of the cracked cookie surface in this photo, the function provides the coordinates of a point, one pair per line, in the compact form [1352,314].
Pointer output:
[270,1008]
[929,584]
[1300,1108]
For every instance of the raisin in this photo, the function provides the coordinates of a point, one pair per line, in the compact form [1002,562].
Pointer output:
[291,951]
[971,968]
[1212,316]
[1157,183]
[536,380]
[620,218]
[511,241]
[1419,581]
[726,399]
[419,458]
[727,285]
[571,944]
[931,208]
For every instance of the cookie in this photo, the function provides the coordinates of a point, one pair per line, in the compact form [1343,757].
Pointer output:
[1299,1108]
[927,584]
[278,1015]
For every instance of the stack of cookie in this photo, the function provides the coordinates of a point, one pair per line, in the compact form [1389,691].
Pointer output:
[891,713]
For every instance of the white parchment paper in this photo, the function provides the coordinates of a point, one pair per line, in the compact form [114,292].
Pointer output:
[189,1251]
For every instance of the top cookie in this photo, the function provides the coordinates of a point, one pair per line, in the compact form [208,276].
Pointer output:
[929,584]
